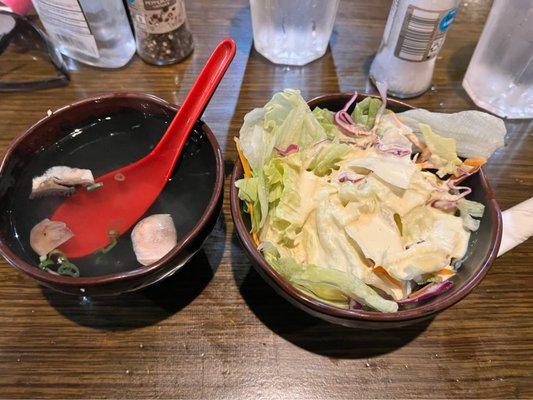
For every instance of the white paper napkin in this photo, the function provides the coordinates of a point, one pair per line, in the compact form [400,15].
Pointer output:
[517,225]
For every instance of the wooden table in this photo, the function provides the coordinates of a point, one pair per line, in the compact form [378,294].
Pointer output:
[216,329]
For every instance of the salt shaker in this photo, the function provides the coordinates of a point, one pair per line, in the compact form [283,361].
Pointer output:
[161,30]
[413,36]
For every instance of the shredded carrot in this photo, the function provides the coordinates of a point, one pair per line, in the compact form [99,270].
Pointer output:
[416,292]
[244,161]
[475,162]
[445,271]
[247,174]
[251,212]
[381,271]
[426,165]
[425,153]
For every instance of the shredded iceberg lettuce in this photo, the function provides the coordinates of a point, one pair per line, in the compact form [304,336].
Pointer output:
[332,284]
[327,157]
[365,112]
[478,134]
[284,198]
[325,118]
[468,210]
[339,216]
[248,191]
[393,170]
[443,153]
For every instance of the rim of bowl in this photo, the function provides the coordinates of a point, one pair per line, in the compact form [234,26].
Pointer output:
[36,273]
[444,301]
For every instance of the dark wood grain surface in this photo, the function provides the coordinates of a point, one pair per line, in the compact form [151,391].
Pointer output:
[215,329]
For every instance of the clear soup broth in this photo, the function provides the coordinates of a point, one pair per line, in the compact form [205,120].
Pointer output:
[102,145]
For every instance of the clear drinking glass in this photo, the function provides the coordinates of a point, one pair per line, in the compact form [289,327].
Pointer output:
[292,32]
[500,75]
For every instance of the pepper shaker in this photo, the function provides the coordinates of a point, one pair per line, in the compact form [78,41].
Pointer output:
[161,30]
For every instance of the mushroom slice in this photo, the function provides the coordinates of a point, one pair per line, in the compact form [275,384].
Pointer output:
[59,181]
[153,237]
[49,235]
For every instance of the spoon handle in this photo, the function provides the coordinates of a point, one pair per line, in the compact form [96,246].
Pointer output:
[197,99]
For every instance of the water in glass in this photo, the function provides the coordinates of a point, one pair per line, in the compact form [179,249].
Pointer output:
[500,75]
[292,32]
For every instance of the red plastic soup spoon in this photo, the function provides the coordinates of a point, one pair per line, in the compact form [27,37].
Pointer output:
[130,190]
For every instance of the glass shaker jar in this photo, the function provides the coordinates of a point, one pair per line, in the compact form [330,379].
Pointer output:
[161,30]
[413,36]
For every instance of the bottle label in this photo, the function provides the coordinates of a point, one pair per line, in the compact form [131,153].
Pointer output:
[65,21]
[157,16]
[423,33]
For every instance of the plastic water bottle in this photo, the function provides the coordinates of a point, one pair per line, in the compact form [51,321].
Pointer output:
[94,32]
[500,75]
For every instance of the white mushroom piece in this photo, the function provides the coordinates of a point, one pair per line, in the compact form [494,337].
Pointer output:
[153,237]
[60,180]
[49,235]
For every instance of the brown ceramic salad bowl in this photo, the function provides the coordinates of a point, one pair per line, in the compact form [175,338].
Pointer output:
[482,250]
[103,133]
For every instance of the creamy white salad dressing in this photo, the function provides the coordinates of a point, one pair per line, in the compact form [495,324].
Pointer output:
[341,209]
[350,226]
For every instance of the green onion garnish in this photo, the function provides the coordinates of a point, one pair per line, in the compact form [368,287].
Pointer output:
[44,264]
[69,269]
[56,257]
[110,246]
[113,240]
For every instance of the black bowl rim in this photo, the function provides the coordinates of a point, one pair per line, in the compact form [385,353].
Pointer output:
[442,302]
[83,282]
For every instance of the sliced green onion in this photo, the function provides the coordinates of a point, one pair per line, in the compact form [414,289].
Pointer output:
[69,269]
[113,240]
[44,264]
[110,246]
[50,271]
[65,266]
[94,186]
